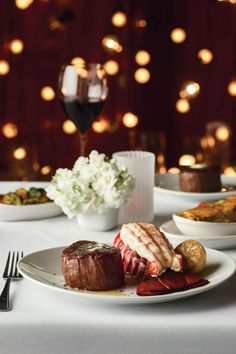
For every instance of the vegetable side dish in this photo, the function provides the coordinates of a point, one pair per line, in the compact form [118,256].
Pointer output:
[23,196]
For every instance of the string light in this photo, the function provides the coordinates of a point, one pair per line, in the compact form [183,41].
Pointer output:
[182,105]
[77,61]
[130,120]
[187,160]
[19,153]
[232,88]
[111,44]
[23,4]
[10,130]
[142,57]
[4,67]
[45,170]
[119,19]
[16,46]
[222,133]
[205,55]
[178,35]
[69,127]
[100,125]
[47,93]
[142,75]
[111,67]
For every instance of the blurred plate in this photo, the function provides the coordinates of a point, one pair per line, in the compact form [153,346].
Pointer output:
[195,228]
[44,268]
[26,212]
[176,236]
[168,186]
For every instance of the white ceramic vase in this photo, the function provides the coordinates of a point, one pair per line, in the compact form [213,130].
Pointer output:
[100,222]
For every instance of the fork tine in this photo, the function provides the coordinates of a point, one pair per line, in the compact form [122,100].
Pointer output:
[16,273]
[12,265]
[5,273]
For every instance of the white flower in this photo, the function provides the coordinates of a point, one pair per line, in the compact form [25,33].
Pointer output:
[95,184]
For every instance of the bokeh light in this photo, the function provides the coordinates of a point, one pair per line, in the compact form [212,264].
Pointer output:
[100,125]
[187,160]
[229,171]
[36,166]
[141,23]
[16,46]
[190,89]
[207,142]
[47,93]
[45,170]
[182,105]
[69,127]
[19,153]
[160,158]
[77,61]
[111,67]
[10,130]
[162,170]
[222,133]
[142,57]
[4,67]
[119,19]
[23,4]
[232,88]
[130,120]
[111,44]
[178,35]
[205,55]
[173,170]
[142,75]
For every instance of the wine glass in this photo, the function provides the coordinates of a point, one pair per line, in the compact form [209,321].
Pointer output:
[83,91]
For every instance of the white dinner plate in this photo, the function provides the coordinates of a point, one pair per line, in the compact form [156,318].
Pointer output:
[168,185]
[219,242]
[26,212]
[44,268]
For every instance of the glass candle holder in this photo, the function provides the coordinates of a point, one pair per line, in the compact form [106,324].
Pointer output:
[141,165]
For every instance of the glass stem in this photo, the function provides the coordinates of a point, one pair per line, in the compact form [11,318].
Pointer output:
[83,143]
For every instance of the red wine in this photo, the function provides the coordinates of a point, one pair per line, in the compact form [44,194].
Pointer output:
[82,113]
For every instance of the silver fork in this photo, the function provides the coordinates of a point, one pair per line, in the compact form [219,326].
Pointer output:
[10,273]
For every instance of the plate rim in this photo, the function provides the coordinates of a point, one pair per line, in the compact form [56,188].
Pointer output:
[181,234]
[132,299]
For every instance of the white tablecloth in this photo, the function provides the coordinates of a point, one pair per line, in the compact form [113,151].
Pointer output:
[45,321]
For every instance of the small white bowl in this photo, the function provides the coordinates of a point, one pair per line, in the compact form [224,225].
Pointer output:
[203,229]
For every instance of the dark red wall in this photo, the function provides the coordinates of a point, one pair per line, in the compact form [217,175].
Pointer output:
[208,23]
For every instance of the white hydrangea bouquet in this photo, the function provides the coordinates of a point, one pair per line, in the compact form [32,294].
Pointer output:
[94,185]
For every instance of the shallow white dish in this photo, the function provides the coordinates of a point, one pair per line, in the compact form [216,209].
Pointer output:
[204,228]
[168,186]
[44,268]
[218,242]
[26,212]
